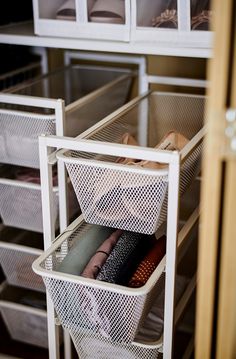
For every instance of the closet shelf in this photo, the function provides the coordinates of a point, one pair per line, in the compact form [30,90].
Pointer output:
[23,34]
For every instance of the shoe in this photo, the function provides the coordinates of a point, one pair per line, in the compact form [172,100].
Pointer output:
[67,11]
[108,11]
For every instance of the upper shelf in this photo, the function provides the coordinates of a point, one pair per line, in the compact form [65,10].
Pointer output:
[23,34]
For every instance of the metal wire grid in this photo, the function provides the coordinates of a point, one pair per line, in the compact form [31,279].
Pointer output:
[20,130]
[119,197]
[12,78]
[21,207]
[17,266]
[82,117]
[19,136]
[24,326]
[93,307]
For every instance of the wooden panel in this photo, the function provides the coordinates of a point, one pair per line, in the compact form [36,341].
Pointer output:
[212,179]
[226,329]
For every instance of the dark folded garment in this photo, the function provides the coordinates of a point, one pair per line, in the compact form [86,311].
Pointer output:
[134,259]
[125,246]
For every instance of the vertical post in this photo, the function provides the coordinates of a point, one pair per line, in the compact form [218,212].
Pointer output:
[49,235]
[184,15]
[62,178]
[171,248]
[63,199]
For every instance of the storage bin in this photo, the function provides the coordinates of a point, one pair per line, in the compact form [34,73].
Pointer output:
[20,200]
[21,206]
[90,306]
[132,197]
[88,19]
[171,22]
[92,347]
[18,250]
[90,93]
[25,323]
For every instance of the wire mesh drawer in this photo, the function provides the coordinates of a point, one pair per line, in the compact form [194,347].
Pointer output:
[24,323]
[91,306]
[18,250]
[92,347]
[21,207]
[132,197]
[90,93]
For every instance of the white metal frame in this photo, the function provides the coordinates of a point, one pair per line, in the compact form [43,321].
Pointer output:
[59,107]
[173,159]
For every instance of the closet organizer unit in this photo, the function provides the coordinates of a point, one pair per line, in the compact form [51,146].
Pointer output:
[129,197]
[89,19]
[172,22]
[89,93]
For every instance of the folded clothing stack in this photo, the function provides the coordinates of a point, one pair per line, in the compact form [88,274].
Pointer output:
[114,256]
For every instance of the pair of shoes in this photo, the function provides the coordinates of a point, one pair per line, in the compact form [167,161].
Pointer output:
[172,141]
[103,11]
[67,11]
[167,19]
[108,11]
[202,20]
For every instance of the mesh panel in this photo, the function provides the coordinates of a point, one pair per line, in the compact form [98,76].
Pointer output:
[121,197]
[19,137]
[22,208]
[25,327]
[83,117]
[107,311]
[20,131]
[118,198]
[17,267]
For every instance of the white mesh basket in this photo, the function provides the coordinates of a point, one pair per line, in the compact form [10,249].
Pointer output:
[24,323]
[90,93]
[18,250]
[21,206]
[133,198]
[90,347]
[90,306]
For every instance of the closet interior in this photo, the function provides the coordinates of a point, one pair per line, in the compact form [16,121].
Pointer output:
[100,147]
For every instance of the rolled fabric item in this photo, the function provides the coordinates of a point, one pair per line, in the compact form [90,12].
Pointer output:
[83,249]
[149,264]
[134,259]
[126,244]
[99,258]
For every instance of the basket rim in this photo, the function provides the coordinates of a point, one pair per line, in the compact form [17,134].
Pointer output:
[115,166]
[115,288]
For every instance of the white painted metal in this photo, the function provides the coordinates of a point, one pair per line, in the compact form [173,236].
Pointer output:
[49,235]
[140,61]
[172,223]
[23,34]
[177,81]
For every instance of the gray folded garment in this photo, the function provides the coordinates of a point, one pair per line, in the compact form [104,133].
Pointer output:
[83,249]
